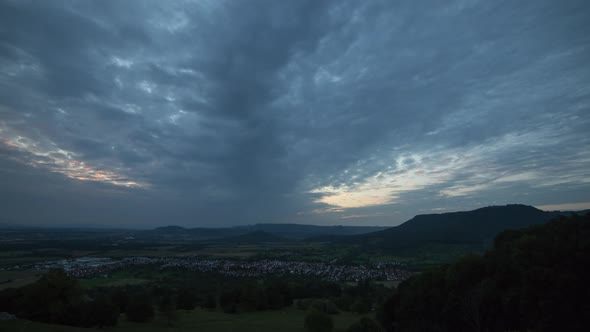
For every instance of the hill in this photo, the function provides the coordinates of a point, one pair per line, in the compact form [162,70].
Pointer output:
[171,229]
[476,228]
[255,237]
[531,279]
[300,231]
[286,231]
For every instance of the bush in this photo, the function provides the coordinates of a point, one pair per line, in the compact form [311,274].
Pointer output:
[303,304]
[167,308]
[365,324]
[325,306]
[344,302]
[359,306]
[51,299]
[104,312]
[186,299]
[318,322]
[211,303]
[140,309]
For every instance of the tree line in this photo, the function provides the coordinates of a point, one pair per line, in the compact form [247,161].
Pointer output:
[59,299]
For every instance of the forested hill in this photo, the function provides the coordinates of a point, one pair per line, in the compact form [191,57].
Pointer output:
[285,231]
[301,231]
[255,238]
[533,279]
[477,227]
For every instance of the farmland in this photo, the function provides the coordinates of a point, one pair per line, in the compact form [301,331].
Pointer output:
[289,320]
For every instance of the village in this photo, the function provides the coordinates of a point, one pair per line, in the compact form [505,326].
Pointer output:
[94,266]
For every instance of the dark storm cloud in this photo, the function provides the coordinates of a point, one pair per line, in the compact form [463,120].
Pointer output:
[226,112]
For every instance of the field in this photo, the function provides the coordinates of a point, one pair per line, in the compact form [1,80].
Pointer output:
[24,261]
[15,279]
[203,321]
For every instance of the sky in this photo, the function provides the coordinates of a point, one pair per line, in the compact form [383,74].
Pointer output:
[228,112]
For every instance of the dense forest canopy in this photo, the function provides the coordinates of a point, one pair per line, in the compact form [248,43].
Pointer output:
[533,279]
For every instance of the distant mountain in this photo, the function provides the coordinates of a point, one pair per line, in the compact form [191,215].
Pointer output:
[477,227]
[299,231]
[287,231]
[171,229]
[255,237]
[192,234]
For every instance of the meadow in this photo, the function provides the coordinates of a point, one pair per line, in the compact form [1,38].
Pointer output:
[288,320]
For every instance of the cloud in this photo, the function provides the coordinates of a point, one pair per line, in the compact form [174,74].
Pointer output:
[57,160]
[222,112]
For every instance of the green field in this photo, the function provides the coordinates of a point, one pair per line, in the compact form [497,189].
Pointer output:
[304,251]
[202,321]
[386,283]
[19,278]
[111,282]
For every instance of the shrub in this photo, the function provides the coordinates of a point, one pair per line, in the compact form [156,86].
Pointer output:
[140,309]
[318,322]
[365,324]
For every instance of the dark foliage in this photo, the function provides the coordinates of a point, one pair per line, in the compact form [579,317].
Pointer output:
[186,299]
[362,297]
[167,308]
[120,297]
[316,321]
[103,312]
[56,298]
[211,302]
[533,279]
[140,308]
[365,324]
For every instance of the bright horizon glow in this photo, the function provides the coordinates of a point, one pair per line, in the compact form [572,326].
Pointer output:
[565,207]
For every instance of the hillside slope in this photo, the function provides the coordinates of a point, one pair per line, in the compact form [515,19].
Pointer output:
[255,237]
[477,227]
[285,231]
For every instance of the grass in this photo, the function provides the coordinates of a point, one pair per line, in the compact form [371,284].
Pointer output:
[288,320]
[19,278]
[120,278]
[389,283]
[111,282]
[386,283]
[423,257]
[16,260]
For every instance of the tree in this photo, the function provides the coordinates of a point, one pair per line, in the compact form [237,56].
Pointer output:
[140,309]
[229,300]
[325,306]
[275,297]
[120,298]
[249,298]
[167,308]
[359,306]
[186,299]
[104,312]
[210,303]
[317,321]
[365,324]
[387,315]
[51,298]
[505,289]
[344,302]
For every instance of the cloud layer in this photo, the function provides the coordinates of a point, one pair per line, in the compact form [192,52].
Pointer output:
[206,112]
